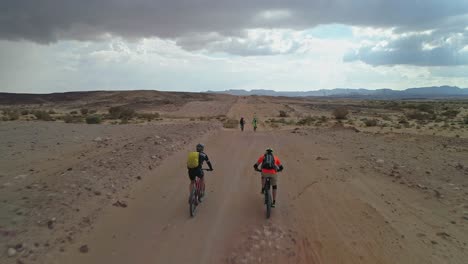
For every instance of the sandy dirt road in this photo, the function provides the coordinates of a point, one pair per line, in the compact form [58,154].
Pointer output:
[332,208]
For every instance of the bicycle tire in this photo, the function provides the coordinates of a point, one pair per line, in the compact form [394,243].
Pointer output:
[193,203]
[268,198]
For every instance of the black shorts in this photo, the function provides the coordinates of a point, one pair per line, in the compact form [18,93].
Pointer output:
[193,173]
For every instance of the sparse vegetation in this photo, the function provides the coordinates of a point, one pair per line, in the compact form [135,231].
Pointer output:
[42,115]
[24,112]
[450,113]
[120,112]
[418,115]
[340,113]
[371,122]
[93,119]
[283,113]
[231,123]
[84,111]
[307,121]
[72,119]
[148,116]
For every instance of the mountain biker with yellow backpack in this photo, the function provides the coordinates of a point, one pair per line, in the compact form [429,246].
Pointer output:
[194,166]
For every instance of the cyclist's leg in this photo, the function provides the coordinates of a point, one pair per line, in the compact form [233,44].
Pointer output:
[274,184]
[263,182]
[192,181]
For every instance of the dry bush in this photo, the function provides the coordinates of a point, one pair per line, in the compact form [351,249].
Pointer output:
[25,112]
[231,123]
[283,113]
[371,122]
[148,116]
[120,112]
[42,115]
[450,113]
[419,115]
[94,119]
[307,121]
[10,115]
[84,111]
[73,112]
[340,113]
[72,119]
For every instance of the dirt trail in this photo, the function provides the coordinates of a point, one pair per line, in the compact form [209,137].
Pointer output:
[330,210]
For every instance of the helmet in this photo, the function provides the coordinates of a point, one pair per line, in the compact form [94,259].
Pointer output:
[200,147]
[269,150]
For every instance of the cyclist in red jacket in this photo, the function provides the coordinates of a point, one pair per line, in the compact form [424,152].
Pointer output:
[270,165]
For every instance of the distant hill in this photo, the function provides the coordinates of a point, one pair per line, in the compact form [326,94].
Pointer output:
[421,92]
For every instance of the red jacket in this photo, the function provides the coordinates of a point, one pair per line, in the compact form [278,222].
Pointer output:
[271,171]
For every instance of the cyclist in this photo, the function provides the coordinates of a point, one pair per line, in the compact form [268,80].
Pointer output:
[254,123]
[270,165]
[242,123]
[198,172]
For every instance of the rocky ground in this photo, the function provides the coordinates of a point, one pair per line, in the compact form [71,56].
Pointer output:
[350,193]
[56,177]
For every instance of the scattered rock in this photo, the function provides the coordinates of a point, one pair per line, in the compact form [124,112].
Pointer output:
[120,204]
[154,157]
[321,158]
[97,193]
[443,235]
[84,249]
[98,139]
[138,177]
[69,169]
[11,252]
[420,186]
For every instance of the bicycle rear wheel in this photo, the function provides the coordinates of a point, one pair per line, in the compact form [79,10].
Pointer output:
[268,199]
[193,203]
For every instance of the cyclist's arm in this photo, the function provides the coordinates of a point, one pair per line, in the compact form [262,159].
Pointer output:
[208,162]
[278,164]
[258,163]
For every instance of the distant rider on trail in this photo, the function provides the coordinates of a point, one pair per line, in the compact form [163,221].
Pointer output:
[270,165]
[242,123]
[194,166]
[254,123]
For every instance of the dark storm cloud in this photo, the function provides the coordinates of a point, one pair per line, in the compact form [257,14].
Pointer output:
[52,20]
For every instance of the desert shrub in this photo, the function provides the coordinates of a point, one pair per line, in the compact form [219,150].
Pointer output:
[52,112]
[13,115]
[307,121]
[274,125]
[148,116]
[92,111]
[84,111]
[120,112]
[428,108]
[386,118]
[204,118]
[72,119]
[340,113]
[231,123]
[42,115]
[25,112]
[419,115]
[465,120]
[323,119]
[283,113]
[450,113]
[371,122]
[94,119]
[73,112]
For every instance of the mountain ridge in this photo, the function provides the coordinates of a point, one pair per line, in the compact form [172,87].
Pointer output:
[415,92]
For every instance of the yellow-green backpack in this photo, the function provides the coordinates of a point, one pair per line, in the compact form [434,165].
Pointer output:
[192,161]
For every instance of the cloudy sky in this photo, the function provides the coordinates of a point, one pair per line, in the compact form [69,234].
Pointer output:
[199,45]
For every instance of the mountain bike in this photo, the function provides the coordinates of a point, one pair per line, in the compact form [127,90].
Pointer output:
[195,195]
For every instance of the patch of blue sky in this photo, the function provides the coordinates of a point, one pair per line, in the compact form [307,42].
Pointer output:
[331,31]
